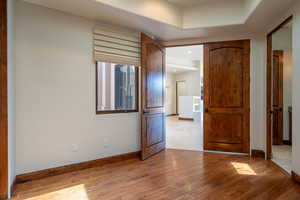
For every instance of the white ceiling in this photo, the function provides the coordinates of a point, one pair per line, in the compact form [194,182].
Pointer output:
[167,21]
[193,53]
[189,3]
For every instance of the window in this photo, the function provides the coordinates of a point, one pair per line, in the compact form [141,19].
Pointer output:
[117,88]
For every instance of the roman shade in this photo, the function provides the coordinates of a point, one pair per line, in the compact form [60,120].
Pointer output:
[117,45]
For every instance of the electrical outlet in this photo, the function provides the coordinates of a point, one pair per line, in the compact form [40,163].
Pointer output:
[106,143]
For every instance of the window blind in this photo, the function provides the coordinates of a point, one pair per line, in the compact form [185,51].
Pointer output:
[117,45]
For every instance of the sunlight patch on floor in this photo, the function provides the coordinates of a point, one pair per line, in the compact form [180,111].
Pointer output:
[77,192]
[243,168]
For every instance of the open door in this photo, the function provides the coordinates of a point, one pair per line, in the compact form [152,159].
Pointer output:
[277,97]
[4,176]
[153,95]
[227,97]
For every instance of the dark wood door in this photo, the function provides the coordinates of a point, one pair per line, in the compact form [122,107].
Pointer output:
[153,97]
[226,96]
[3,102]
[277,98]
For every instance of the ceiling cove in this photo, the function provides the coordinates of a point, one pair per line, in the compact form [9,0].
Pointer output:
[177,19]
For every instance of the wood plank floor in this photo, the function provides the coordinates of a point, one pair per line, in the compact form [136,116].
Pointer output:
[172,174]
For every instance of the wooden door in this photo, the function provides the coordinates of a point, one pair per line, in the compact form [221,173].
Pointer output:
[3,103]
[153,97]
[277,98]
[226,96]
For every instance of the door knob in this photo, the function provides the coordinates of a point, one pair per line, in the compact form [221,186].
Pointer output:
[206,110]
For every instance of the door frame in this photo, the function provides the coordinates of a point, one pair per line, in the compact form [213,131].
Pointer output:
[203,43]
[3,103]
[269,86]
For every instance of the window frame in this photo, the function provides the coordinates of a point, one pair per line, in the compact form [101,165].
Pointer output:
[100,112]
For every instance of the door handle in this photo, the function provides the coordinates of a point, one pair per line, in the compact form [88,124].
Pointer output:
[205,110]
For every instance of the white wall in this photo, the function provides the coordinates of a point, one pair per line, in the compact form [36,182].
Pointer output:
[258,93]
[192,81]
[11,91]
[282,40]
[56,122]
[170,94]
[296,87]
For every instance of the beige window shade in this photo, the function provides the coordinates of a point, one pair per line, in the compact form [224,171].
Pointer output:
[117,45]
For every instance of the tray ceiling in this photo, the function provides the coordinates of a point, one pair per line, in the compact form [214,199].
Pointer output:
[175,19]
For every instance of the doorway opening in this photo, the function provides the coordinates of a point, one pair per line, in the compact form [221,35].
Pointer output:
[214,118]
[184,97]
[280,68]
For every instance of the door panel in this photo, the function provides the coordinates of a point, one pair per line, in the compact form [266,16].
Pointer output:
[277,97]
[225,128]
[154,124]
[153,94]
[227,97]
[154,75]
[226,82]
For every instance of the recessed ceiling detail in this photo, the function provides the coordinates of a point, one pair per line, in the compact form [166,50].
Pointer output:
[189,14]
[190,3]
[178,19]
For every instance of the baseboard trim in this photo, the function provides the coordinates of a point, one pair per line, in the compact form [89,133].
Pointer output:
[255,153]
[74,167]
[170,115]
[226,153]
[13,188]
[296,177]
[280,168]
[188,119]
[287,142]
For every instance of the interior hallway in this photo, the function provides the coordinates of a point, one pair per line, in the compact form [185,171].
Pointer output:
[169,175]
[184,134]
